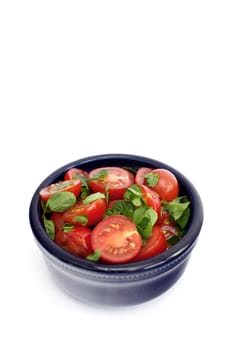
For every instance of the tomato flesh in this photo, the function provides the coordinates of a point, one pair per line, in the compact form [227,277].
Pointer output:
[151,199]
[62,186]
[155,245]
[139,178]
[94,212]
[117,239]
[74,172]
[116,181]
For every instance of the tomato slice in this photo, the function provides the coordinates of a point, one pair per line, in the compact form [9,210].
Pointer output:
[117,239]
[74,172]
[62,186]
[76,241]
[151,199]
[93,211]
[155,245]
[139,178]
[116,180]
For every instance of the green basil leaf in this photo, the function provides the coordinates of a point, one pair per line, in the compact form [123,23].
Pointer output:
[93,197]
[100,176]
[134,191]
[151,179]
[175,208]
[152,215]
[81,219]
[63,184]
[49,227]
[94,256]
[67,227]
[61,201]
[183,219]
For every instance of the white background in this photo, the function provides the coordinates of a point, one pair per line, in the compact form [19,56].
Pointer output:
[79,78]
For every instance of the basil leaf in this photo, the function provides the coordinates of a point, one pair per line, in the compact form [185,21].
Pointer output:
[94,256]
[49,227]
[62,185]
[151,179]
[100,176]
[93,197]
[183,220]
[179,210]
[120,207]
[67,227]
[82,219]
[61,201]
[145,218]
[134,194]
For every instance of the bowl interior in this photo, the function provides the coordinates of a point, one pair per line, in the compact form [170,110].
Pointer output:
[121,160]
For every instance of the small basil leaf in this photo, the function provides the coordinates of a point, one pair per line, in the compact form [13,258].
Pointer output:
[49,227]
[94,256]
[63,184]
[67,227]
[100,176]
[82,220]
[151,179]
[93,197]
[183,220]
[61,201]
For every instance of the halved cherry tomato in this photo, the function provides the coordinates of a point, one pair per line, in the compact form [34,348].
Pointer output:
[117,239]
[155,244]
[77,241]
[73,174]
[139,178]
[116,181]
[93,211]
[151,199]
[62,186]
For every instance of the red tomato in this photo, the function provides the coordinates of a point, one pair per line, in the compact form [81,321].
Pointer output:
[116,181]
[117,239]
[151,199]
[167,186]
[164,218]
[62,186]
[139,178]
[73,172]
[156,244]
[77,241]
[94,212]
[58,219]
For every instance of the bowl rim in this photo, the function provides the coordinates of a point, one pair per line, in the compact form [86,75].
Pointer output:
[185,244]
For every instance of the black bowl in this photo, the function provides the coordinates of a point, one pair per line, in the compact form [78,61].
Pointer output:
[122,284]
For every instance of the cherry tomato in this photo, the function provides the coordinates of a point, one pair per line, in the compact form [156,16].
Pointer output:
[94,212]
[77,241]
[151,199]
[139,178]
[116,181]
[62,186]
[117,239]
[155,244]
[167,186]
[73,172]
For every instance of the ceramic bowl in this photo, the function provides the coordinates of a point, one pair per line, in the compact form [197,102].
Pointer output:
[123,284]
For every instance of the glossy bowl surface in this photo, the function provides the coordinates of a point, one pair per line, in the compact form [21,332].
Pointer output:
[122,284]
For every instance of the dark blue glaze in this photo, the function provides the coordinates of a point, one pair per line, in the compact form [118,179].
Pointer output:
[122,284]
